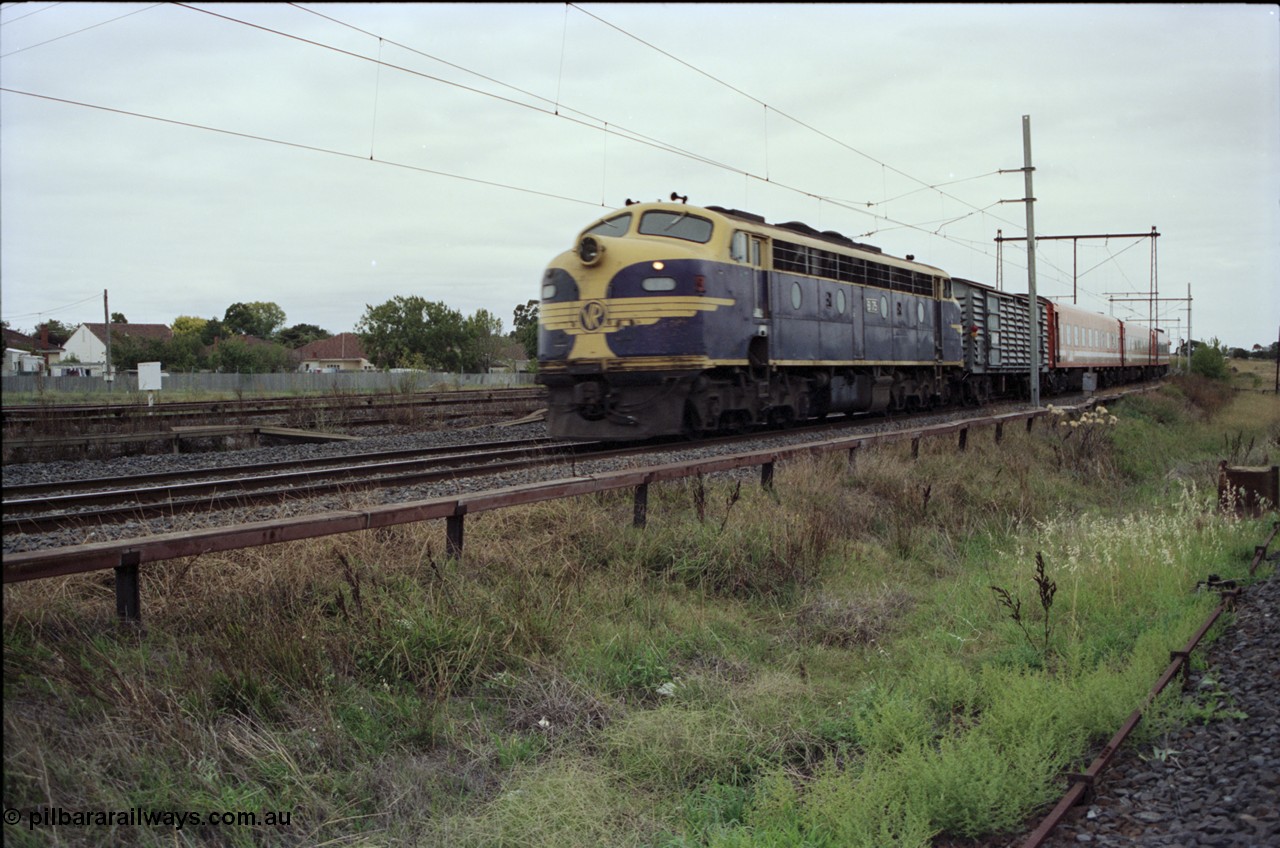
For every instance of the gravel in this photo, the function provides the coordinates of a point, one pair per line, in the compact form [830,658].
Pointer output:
[124,467]
[1214,785]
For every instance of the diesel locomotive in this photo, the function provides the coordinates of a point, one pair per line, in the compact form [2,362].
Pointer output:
[665,318]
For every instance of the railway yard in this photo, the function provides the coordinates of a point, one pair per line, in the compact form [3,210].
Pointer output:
[190,484]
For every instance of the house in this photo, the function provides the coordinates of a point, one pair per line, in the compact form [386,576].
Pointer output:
[26,355]
[89,342]
[342,352]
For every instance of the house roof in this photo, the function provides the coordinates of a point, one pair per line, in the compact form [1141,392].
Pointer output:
[341,346]
[142,331]
[19,341]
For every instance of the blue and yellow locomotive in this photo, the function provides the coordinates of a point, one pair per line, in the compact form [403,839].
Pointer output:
[666,318]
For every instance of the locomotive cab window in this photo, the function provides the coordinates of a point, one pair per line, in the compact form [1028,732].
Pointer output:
[615,226]
[676,225]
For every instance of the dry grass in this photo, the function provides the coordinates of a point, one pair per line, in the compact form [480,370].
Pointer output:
[751,656]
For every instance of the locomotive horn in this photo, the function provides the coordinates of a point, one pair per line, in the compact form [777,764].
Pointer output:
[675,196]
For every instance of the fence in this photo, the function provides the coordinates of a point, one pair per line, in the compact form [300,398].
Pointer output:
[279,383]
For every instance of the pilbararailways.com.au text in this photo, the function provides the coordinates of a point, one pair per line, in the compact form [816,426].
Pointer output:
[140,817]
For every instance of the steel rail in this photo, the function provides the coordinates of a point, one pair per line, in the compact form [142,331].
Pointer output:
[212,495]
[263,406]
[127,555]
[26,490]
[1179,661]
[51,562]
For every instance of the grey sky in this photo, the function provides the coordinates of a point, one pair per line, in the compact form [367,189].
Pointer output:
[429,179]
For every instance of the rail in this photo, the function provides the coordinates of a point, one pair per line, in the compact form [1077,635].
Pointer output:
[127,555]
[1179,661]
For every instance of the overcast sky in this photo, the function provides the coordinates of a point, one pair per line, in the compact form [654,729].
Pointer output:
[329,157]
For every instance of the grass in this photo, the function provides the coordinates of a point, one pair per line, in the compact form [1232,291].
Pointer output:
[823,664]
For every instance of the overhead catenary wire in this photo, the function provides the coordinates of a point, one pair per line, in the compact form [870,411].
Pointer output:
[297,145]
[622,132]
[775,109]
[77,32]
[558,110]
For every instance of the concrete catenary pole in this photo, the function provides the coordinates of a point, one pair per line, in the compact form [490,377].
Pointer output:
[1033,306]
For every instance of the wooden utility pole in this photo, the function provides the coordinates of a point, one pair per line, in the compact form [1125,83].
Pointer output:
[106,318]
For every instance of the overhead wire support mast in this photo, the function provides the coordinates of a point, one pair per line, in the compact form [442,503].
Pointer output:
[1114,298]
[1000,239]
[1033,306]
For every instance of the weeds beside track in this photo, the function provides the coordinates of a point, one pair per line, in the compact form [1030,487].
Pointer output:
[821,664]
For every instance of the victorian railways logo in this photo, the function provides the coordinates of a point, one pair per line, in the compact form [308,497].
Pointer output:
[592,316]
[590,322]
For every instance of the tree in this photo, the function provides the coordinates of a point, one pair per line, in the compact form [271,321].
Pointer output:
[407,330]
[301,334]
[240,356]
[188,325]
[127,351]
[59,332]
[212,331]
[118,318]
[484,341]
[259,319]
[1209,360]
[526,328]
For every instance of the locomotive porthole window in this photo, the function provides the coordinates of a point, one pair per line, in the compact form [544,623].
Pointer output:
[919,313]
[840,301]
[795,295]
[884,306]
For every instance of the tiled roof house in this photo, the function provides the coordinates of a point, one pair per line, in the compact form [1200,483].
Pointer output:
[342,352]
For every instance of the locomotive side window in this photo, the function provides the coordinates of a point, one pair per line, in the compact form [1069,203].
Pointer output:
[615,226]
[744,248]
[548,291]
[840,301]
[676,225]
[795,295]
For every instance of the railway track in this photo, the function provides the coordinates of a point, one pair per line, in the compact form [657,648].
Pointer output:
[73,511]
[43,507]
[17,416]
[32,433]
[86,503]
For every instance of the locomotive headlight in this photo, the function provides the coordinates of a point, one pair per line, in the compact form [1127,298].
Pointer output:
[590,250]
[658,266]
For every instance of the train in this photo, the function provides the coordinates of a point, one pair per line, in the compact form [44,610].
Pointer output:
[666,319]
